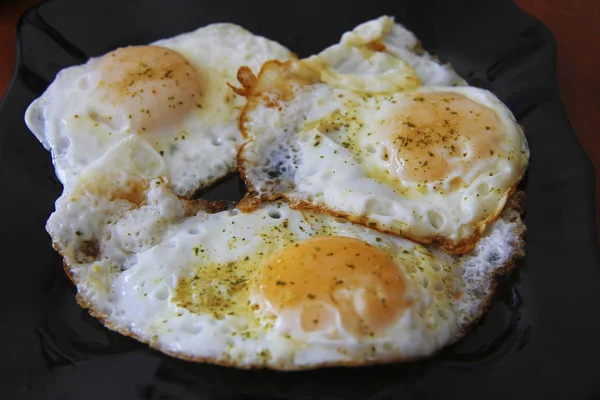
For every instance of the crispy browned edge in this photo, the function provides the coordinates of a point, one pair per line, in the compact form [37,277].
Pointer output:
[252,200]
[233,167]
[515,203]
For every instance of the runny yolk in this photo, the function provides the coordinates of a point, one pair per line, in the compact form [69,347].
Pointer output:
[437,133]
[322,279]
[148,86]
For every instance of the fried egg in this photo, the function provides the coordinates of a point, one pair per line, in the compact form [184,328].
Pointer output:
[172,93]
[429,163]
[277,287]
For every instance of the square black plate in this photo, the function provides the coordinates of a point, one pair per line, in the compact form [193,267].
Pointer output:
[541,337]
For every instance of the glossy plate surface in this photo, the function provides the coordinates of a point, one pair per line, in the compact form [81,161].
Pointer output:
[539,340]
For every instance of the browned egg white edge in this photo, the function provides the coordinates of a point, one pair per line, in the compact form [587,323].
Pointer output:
[513,209]
[251,201]
[233,164]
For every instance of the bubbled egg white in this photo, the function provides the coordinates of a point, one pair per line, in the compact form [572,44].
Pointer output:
[172,93]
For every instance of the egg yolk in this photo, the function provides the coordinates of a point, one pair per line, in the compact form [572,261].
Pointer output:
[325,281]
[437,134]
[149,87]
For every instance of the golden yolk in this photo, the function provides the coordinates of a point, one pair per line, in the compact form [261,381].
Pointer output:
[150,87]
[322,278]
[437,133]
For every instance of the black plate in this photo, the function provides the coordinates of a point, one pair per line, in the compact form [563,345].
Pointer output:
[541,337]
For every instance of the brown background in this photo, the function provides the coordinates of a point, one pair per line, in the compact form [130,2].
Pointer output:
[575,24]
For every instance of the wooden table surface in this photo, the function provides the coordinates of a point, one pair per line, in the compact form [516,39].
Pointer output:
[575,24]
